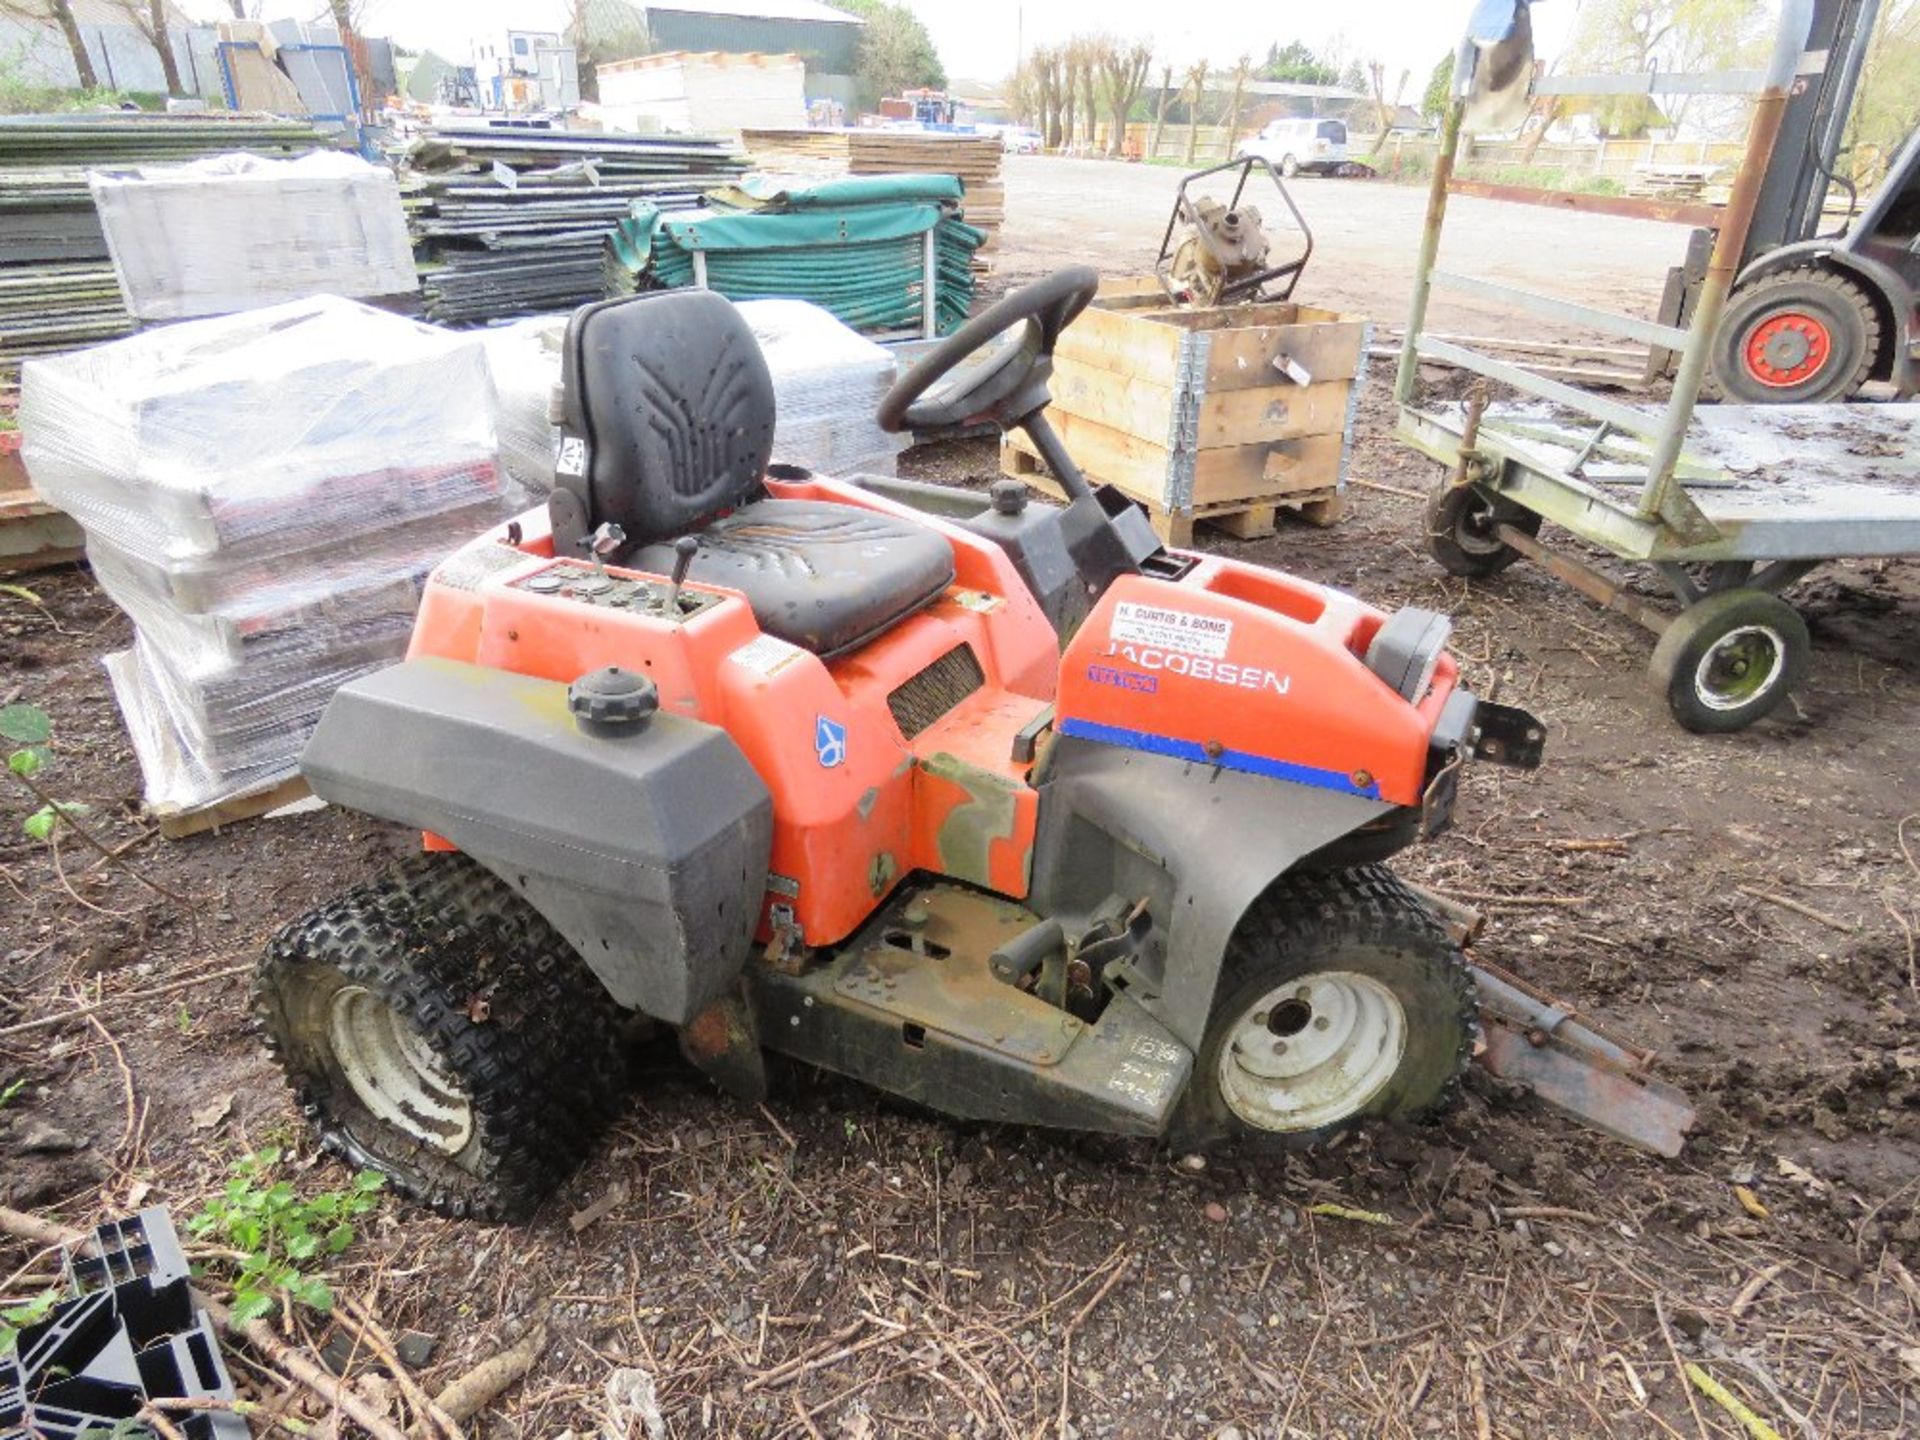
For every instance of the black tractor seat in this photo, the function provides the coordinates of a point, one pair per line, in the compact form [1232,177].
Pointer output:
[669,411]
[825,577]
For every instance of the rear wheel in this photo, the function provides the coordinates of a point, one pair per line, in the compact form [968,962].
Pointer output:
[435,1027]
[1341,1000]
[1460,521]
[1798,337]
[1729,659]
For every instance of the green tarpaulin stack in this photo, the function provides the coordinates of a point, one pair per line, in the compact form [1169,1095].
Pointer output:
[853,246]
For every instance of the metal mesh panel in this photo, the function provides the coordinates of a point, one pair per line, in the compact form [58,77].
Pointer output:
[936,690]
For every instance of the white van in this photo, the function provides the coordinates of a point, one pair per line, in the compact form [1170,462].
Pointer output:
[1295,145]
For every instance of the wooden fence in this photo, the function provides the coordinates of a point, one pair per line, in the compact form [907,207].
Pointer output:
[1608,159]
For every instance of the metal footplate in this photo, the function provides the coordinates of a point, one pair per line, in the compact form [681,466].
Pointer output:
[1533,1040]
[912,1005]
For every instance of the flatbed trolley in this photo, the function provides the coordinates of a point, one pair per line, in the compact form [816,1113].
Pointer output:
[1730,504]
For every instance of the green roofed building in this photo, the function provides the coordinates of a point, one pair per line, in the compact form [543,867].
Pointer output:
[825,38]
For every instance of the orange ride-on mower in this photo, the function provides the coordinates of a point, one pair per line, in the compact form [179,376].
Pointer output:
[1002,808]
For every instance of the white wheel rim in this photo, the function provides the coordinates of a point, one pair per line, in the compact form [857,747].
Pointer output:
[1312,1052]
[1724,678]
[396,1074]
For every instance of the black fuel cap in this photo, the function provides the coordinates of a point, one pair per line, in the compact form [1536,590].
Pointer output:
[612,701]
[1009,497]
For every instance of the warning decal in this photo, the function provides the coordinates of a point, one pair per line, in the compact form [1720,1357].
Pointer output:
[765,654]
[1169,629]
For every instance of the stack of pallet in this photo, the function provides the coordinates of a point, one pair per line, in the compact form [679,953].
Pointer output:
[510,221]
[57,289]
[974,158]
[263,494]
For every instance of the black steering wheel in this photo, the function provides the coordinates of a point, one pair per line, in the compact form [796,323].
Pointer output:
[995,367]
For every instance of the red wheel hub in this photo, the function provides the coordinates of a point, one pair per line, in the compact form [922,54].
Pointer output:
[1788,348]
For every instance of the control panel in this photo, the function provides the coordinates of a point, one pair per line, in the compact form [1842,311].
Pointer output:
[588,584]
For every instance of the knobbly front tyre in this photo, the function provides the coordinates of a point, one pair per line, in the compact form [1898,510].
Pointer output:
[1341,1000]
[434,1027]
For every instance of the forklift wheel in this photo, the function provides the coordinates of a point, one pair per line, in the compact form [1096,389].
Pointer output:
[435,1027]
[1729,659]
[1342,999]
[1797,337]
[1460,530]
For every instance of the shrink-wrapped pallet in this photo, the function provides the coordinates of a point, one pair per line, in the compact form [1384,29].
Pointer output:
[263,494]
[828,381]
[236,232]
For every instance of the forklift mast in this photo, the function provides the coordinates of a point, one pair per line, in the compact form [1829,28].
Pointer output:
[1795,188]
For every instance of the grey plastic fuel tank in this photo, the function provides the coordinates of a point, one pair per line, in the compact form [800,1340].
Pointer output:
[646,846]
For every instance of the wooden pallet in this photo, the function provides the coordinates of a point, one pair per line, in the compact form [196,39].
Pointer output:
[33,535]
[1246,519]
[176,824]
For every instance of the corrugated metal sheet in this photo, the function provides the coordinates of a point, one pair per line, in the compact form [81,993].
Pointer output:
[827,48]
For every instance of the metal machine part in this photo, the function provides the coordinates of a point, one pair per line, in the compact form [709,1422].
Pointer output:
[588,584]
[1222,256]
[1221,249]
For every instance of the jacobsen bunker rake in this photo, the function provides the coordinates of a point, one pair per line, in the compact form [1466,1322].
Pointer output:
[1002,808]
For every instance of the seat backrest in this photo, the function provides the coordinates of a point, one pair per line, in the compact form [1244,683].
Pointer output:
[667,416]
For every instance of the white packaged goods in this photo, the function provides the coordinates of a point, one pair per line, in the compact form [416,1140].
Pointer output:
[827,383]
[263,494]
[235,232]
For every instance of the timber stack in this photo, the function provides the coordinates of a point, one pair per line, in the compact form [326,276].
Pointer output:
[974,158]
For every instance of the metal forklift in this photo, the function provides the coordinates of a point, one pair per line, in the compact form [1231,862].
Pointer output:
[1728,504]
[1815,313]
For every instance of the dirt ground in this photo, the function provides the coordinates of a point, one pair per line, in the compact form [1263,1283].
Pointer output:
[1366,236]
[831,1265]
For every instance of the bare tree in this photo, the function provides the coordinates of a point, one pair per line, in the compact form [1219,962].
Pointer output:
[1066,93]
[149,17]
[1383,109]
[38,12]
[1125,74]
[1242,69]
[1160,110]
[1090,53]
[1196,81]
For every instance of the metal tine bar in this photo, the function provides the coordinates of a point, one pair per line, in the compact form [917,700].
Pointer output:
[1594,442]
[1621,417]
[1630,327]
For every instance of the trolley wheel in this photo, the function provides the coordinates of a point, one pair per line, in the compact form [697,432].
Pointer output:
[1729,659]
[1460,521]
[1800,336]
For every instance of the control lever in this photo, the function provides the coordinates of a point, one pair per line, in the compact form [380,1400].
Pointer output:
[684,549]
[603,542]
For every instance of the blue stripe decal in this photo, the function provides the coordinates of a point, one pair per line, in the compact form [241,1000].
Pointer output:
[1226,759]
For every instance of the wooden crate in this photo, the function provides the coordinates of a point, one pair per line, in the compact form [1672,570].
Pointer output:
[1208,413]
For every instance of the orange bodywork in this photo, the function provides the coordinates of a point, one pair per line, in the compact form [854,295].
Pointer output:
[1250,670]
[950,800]
[1230,665]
